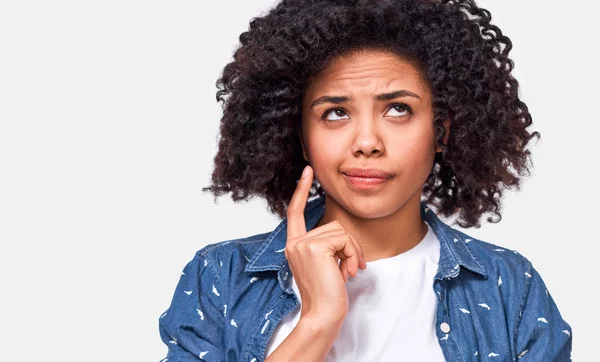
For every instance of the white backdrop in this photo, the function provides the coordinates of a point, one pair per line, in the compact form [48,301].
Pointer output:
[108,128]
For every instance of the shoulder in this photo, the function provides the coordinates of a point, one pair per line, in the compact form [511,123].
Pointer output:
[228,251]
[509,274]
[495,258]
[246,244]
[514,286]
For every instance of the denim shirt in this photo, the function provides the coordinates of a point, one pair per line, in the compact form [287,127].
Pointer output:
[492,303]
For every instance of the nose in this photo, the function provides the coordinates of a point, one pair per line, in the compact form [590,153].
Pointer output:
[367,139]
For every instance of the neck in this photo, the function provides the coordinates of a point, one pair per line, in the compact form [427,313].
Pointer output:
[382,237]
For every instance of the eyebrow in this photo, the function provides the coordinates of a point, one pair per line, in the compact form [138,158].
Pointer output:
[379,97]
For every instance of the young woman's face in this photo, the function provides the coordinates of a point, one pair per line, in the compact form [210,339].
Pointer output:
[369,109]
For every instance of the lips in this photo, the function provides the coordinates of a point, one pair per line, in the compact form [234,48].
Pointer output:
[366,179]
[368,173]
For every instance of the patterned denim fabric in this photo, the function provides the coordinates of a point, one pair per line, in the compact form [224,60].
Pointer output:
[492,303]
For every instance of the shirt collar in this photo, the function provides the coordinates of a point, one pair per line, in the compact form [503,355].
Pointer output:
[454,251]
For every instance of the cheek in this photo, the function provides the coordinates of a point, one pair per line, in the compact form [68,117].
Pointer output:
[415,151]
[326,156]
[325,151]
[426,152]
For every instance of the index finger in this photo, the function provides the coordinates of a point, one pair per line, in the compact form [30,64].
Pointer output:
[296,225]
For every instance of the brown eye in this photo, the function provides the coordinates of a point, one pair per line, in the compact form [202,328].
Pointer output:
[400,110]
[336,112]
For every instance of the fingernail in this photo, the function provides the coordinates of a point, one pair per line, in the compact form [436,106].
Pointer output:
[305,172]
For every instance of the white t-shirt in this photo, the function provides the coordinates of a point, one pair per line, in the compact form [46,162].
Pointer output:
[392,308]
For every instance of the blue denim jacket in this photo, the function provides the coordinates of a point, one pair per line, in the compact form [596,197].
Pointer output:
[232,294]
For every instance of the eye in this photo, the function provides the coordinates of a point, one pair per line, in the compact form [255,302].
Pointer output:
[401,109]
[334,111]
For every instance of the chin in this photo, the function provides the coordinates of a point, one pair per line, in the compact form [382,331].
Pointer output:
[370,206]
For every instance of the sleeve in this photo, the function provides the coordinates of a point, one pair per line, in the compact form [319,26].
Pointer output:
[193,326]
[542,334]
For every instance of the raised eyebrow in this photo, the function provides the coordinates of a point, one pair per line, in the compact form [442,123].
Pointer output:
[330,99]
[379,97]
[396,94]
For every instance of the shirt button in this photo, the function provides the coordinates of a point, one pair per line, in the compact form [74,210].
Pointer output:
[445,327]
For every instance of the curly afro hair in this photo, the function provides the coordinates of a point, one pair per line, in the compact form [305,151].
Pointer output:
[459,52]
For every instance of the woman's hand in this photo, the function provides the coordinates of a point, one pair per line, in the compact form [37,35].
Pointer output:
[313,258]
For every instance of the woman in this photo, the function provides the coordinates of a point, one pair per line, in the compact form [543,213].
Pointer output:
[397,111]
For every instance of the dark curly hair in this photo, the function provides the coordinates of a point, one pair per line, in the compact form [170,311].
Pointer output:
[459,52]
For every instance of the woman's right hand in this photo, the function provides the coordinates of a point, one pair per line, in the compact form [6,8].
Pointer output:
[313,258]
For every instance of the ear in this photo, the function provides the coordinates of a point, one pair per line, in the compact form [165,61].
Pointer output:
[447,124]
[299,132]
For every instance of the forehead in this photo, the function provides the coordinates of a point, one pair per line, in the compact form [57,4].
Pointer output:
[368,68]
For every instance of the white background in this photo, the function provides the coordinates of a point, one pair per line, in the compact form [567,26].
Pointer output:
[108,130]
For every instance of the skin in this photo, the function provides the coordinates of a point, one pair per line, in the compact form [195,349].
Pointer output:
[368,133]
